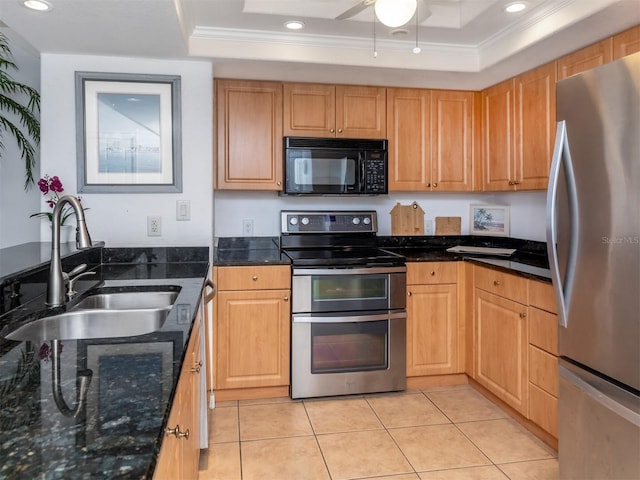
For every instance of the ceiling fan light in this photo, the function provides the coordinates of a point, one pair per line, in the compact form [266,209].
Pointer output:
[395,13]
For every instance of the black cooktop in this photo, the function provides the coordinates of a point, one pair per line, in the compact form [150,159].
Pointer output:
[343,256]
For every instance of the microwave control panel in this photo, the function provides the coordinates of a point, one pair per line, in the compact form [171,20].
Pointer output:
[376,172]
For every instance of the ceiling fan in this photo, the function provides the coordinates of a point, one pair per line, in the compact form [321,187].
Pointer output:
[392,13]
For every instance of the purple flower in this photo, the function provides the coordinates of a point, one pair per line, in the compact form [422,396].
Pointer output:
[43,184]
[56,185]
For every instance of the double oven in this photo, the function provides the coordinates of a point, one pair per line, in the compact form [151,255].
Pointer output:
[348,305]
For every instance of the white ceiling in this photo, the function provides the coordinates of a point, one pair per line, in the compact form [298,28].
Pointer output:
[465,43]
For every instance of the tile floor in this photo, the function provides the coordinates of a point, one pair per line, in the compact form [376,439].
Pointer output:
[440,433]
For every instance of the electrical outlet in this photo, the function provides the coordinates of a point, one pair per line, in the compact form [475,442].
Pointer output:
[428,227]
[247,227]
[154,226]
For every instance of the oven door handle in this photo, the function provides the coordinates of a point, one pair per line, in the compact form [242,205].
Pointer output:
[348,271]
[309,318]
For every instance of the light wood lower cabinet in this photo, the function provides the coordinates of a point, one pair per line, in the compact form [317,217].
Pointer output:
[432,319]
[502,337]
[252,328]
[180,451]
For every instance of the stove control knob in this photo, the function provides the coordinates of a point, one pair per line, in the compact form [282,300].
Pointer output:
[366,220]
[355,221]
[305,220]
[293,220]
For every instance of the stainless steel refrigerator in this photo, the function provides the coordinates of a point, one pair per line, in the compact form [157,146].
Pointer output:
[593,239]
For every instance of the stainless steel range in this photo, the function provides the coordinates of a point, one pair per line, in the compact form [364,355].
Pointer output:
[348,305]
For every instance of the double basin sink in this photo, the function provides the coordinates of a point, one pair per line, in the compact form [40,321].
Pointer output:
[106,312]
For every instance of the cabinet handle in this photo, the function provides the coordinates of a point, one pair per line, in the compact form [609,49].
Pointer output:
[254,278]
[197,367]
[408,294]
[510,182]
[497,282]
[428,185]
[433,274]
[523,315]
[339,130]
[286,299]
[176,431]
[279,183]
[332,130]
[435,185]
[516,182]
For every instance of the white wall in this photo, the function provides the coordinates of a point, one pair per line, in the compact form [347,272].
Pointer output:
[121,219]
[231,208]
[16,204]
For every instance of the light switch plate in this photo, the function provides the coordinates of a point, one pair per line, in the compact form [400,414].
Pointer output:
[183,210]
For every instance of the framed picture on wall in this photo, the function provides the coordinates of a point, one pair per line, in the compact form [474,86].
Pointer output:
[489,220]
[128,133]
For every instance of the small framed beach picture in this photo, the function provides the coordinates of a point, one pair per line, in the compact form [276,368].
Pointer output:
[489,220]
[128,133]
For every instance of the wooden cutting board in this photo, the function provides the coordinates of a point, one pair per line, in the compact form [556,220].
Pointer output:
[407,219]
[448,225]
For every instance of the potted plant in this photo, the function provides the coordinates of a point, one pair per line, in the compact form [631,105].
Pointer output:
[12,95]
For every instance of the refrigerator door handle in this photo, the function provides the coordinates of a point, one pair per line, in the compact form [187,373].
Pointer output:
[562,159]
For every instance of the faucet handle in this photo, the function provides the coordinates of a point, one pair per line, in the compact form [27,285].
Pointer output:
[80,268]
[70,291]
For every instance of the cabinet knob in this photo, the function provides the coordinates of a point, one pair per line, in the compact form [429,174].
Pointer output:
[332,130]
[279,183]
[197,367]
[286,299]
[339,130]
[432,274]
[254,278]
[516,182]
[435,185]
[510,182]
[428,185]
[176,431]
[497,282]
[523,315]
[408,294]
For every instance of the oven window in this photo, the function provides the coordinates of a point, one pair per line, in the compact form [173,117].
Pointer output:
[349,287]
[349,346]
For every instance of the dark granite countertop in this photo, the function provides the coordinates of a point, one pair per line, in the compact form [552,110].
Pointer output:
[119,433]
[530,258]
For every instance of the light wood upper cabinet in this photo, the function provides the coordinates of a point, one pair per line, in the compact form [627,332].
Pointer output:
[248,135]
[430,139]
[498,159]
[318,110]
[519,131]
[535,122]
[627,42]
[586,58]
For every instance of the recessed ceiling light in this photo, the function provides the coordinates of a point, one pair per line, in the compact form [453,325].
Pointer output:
[515,7]
[294,25]
[40,5]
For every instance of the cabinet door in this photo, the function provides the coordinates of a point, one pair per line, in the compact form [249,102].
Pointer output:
[169,466]
[432,330]
[535,125]
[626,43]
[585,59]
[501,355]
[248,135]
[452,136]
[498,142]
[252,341]
[408,131]
[361,112]
[309,110]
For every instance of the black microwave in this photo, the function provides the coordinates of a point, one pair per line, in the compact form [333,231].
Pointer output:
[335,166]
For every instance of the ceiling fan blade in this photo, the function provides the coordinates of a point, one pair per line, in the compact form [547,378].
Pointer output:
[356,9]
[423,10]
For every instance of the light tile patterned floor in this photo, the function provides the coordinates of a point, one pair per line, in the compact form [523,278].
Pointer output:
[445,433]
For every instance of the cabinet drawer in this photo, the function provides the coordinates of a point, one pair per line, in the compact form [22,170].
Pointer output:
[543,370]
[543,330]
[430,273]
[254,278]
[541,295]
[502,284]
[543,409]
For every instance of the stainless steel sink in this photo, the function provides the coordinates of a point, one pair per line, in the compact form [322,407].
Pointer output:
[107,312]
[128,300]
[96,323]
